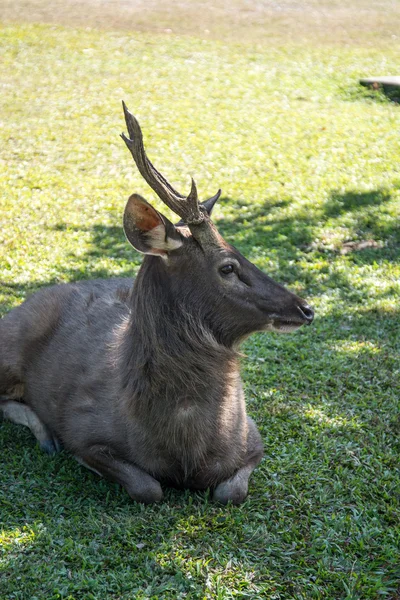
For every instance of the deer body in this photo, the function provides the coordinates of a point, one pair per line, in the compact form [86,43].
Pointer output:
[141,383]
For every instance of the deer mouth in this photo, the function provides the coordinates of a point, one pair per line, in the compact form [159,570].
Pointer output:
[283,326]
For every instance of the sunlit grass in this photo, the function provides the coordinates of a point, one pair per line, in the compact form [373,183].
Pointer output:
[17,538]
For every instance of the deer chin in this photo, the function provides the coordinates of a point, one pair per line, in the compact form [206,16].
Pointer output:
[282,326]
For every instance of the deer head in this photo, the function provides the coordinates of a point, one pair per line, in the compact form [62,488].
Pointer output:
[204,274]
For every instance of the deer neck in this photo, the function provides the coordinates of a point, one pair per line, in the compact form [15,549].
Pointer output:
[169,359]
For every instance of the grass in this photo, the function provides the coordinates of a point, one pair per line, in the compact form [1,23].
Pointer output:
[309,167]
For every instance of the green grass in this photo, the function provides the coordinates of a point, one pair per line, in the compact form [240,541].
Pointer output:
[308,162]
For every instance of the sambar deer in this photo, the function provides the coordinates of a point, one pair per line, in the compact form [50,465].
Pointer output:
[141,383]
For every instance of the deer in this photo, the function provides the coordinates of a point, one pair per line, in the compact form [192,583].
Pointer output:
[140,379]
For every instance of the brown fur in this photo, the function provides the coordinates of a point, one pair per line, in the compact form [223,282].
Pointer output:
[141,383]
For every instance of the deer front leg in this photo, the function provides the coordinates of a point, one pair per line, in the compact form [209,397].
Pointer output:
[235,488]
[141,486]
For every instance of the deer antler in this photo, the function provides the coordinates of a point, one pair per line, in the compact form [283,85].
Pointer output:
[187,207]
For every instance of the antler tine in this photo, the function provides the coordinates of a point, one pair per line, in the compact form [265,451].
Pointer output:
[186,207]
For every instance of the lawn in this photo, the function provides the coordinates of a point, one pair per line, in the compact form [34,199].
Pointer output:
[308,162]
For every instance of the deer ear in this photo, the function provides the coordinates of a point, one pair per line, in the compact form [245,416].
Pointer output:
[147,230]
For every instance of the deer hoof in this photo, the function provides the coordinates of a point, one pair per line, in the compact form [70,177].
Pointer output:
[50,446]
[148,494]
[233,490]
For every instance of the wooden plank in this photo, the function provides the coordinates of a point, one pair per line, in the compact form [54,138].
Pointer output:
[376,82]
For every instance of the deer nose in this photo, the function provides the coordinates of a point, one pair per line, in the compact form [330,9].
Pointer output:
[306,312]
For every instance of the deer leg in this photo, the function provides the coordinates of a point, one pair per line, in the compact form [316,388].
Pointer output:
[23,415]
[141,486]
[235,488]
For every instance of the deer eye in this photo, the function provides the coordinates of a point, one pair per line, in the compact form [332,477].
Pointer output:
[227,269]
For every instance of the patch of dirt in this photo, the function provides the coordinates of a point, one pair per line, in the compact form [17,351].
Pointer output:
[348,247]
[360,22]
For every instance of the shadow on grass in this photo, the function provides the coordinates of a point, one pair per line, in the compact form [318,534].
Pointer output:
[330,370]
[71,516]
[266,231]
[262,226]
[380,94]
[291,240]
[354,201]
[76,514]
[348,362]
